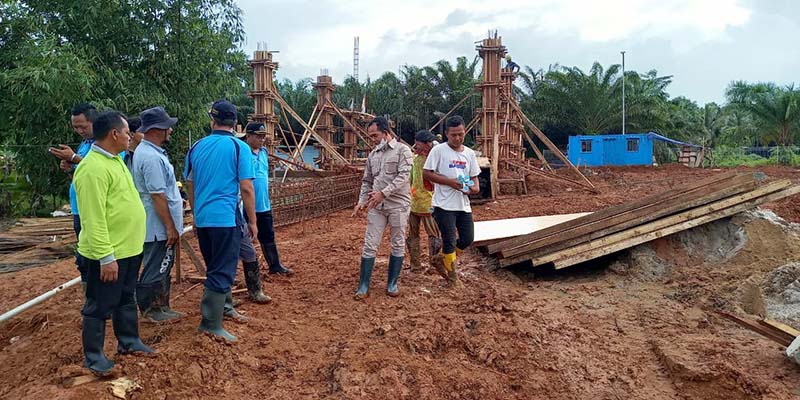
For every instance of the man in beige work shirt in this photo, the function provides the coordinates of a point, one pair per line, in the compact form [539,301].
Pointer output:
[386,194]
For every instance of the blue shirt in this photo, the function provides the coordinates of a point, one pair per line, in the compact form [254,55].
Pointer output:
[215,165]
[83,150]
[153,173]
[261,181]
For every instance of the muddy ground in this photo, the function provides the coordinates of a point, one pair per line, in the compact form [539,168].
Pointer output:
[636,325]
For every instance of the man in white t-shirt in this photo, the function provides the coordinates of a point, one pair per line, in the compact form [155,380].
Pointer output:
[454,171]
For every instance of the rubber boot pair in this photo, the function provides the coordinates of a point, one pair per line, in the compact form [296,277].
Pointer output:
[365,275]
[274,262]
[154,304]
[412,245]
[252,279]
[126,327]
[211,308]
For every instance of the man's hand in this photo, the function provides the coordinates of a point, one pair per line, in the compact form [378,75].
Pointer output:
[172,236]
[455,184]
[65,166]
[474,189]
[63,152]
[357,209]
[375,199]
[253,229]
[109,272]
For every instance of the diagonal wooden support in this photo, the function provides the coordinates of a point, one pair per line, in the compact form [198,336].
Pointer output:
[359,130]
[298,149]
[327,146]
[547,141]
[471,93]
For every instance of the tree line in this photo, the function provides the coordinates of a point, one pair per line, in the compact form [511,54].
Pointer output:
[185,54]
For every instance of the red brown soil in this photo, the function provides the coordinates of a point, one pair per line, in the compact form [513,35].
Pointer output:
[506,335]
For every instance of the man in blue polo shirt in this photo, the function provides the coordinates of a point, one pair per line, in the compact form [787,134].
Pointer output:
[256,135]
[82,119]
[218,168]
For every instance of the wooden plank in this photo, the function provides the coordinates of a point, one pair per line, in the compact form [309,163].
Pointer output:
[470,94]
[619,222]
[787,330]
[74,381]
[198,265]
[755,327]
[178,276]
[327,146]
[610,211]
[639,238]
[504,228]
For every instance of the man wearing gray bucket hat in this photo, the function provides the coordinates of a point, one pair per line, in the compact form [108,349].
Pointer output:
[154,178]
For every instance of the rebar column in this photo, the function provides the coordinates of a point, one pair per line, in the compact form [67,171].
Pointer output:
[325,128]
[263,95]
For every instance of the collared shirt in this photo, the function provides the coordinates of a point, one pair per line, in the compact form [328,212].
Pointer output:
[112,215]
[215,165]
[388,170]
[81,151]
[153,173]
[261,181]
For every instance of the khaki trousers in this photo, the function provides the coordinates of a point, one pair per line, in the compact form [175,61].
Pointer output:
[377,220]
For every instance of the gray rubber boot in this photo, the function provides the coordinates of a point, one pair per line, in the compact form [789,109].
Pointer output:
[164,301]
[229,311]
[211,308]
[395,266]
[93,337]
[252,278]
[367,264]
[126,327]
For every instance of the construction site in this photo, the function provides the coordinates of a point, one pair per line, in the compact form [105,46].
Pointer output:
[661,282]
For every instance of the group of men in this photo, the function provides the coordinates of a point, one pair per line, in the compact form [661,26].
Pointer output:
[430,190]
[128,215]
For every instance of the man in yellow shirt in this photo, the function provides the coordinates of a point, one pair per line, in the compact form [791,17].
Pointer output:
[110,243]
[421,195]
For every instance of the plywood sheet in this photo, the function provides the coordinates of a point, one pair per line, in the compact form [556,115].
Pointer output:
[486,231]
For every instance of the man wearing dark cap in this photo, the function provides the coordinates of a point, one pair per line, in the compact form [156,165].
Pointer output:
[154,178]
[421,195]
[110,243]
[256,136]
[385,193]
[218,168]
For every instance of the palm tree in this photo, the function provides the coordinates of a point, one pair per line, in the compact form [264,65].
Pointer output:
[776,110]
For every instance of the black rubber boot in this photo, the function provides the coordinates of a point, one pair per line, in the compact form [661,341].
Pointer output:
[252,278]
[149,299]
[229,311]
[211,308]
[395,266]
[274,262]
[126,328]
[164,297]
[93,336]
[364,277]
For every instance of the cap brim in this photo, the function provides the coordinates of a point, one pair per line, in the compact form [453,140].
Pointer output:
[240,134]
[159,125]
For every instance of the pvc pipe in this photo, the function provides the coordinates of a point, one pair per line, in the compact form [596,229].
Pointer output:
[24,307]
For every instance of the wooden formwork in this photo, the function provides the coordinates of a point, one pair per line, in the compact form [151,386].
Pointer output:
[263,95]
[324,126]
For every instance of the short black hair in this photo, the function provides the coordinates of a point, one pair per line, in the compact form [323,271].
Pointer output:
[453,122]
[381,122]
[106,121]
[134,123]
[87,109]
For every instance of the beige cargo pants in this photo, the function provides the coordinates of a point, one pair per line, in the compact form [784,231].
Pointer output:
[377,220]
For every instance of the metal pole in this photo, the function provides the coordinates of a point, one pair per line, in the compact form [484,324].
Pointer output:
[623,92]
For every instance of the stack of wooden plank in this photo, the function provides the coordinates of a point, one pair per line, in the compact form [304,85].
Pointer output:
[642,220]
[32,242]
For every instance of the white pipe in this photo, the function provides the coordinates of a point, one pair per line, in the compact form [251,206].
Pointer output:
[24,307]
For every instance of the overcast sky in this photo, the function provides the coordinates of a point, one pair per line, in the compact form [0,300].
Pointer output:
[704,44]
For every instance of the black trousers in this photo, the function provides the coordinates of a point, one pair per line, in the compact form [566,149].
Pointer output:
[76,225]
[220,249]
[452,222]
[266,236]
[103,298]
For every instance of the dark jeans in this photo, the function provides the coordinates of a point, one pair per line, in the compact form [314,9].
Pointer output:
[451,222]
[266,236]
[220,249]
[76,225]
[154,267]
[104,298]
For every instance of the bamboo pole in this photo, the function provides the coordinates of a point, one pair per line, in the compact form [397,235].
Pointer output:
[471,93]
[321,141]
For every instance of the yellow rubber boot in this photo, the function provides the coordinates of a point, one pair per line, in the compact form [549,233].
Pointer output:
[451,265]
[443,263]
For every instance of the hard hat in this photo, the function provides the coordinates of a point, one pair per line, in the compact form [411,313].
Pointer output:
[180,185]
[508,57]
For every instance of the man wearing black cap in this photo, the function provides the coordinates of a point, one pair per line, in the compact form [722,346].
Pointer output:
[421,195]
[256,135]
[217,169]
[155,181]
